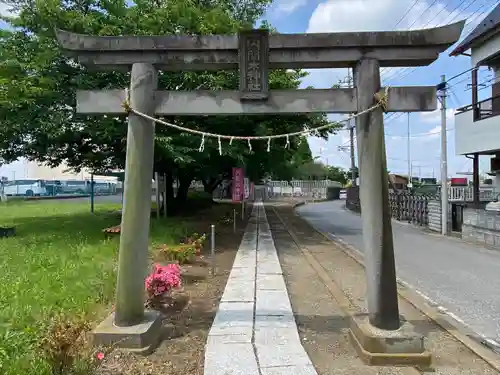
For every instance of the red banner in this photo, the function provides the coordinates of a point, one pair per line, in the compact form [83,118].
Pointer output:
[459,181]
[238,184]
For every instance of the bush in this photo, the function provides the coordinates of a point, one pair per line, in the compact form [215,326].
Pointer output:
[160,283]
[200,199]
[196,240]
[183,253]
[63,343]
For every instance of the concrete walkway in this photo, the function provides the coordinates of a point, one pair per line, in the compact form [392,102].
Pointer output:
[254,331]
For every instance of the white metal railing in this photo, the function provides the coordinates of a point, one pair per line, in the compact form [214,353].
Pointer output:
[316,189]
[466,194]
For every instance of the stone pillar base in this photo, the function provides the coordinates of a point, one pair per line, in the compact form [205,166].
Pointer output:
[142,338]
[377,347]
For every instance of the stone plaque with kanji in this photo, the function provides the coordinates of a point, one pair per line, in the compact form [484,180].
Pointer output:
[254,60]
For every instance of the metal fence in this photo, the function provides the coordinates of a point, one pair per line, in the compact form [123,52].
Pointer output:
[40,187]
[315,189]
[404,206]
[412,208]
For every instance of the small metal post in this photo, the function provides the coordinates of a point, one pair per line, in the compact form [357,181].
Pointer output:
[212,247]
[242,210]
[157,194]
[234,220]
[165,195]
[92,193]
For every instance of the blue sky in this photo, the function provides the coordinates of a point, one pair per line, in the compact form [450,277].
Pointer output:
[298,16]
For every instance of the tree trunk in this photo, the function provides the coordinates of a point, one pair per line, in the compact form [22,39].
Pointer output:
[182,191]
[169,194]
[211,184]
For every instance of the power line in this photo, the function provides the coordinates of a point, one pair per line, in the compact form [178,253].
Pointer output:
[419,135]
[415,3]
[461,74]
[472,19]
[482,83]
[407,12]
[394,118]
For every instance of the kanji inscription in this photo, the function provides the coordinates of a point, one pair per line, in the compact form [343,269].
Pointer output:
[254,59]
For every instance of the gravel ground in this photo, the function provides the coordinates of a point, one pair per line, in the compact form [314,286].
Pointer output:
[323,327]
[459,276]
[321,320]
[185,332]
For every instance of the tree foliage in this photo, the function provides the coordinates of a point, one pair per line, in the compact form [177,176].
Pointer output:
[38,84]
[315,170]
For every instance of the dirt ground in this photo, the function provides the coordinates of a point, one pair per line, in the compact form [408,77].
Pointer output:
[186,328]
[323,326]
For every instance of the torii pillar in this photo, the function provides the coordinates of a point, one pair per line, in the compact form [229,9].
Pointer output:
[380,336]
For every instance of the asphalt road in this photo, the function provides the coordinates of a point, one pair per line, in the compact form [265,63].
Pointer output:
[98,198]
[463,278]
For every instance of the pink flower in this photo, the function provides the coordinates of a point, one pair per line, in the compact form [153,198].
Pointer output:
[162,279]
[100,356]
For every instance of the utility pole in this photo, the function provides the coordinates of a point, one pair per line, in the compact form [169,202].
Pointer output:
[351,137]
[444,159]
[353,161]
[409,154]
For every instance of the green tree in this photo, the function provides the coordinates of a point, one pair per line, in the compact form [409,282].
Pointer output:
[317,171]
[38,84]
[338,174]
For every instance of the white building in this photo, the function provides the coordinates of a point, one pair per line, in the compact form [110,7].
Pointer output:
[25,169]
[477,126]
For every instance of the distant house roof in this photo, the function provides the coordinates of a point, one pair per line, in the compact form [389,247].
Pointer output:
[487,25]
[395,177]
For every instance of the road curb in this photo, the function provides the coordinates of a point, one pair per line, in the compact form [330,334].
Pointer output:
[301,203]
[473,341]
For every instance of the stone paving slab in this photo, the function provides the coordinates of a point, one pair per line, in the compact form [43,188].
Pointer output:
[270,269]
[276,321]
[235,314]
[254,331]
[230,359]
[243,272]
[231,338]
[245,261]
[239,292]
[286,370]
[276,336]
[282,355]
[270,282]
[231,333]
[272,302]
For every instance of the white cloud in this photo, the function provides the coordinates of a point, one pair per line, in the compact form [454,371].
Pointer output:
[364,15]
[435,116]
[434,133]
[289,6]
[5,9]
[328,151]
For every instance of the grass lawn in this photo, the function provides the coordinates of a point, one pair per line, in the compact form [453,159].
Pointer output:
[59,262]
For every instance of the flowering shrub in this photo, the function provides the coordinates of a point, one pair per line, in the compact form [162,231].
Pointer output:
[161,281]
[196,240]
[182,253]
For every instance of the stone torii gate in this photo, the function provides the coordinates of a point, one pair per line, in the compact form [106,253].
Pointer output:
[378,334]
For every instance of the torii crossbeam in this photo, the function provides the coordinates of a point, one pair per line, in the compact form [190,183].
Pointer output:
[254,53]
